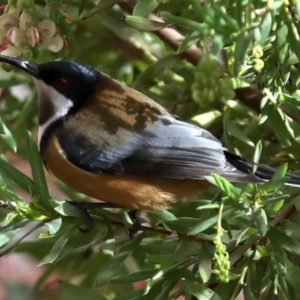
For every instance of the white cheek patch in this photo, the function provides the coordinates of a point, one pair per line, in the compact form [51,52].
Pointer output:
[60,104]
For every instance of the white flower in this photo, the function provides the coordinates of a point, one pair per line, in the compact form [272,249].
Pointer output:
[54,44]
[26,20]
[47,28]
[11,50]
[7,21]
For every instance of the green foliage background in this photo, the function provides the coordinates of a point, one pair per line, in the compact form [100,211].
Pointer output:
[240,81]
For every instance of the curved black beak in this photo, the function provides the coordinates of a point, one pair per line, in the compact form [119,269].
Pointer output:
[24,65]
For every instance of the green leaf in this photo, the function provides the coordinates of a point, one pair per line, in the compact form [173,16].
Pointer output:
[18,177]
[293,34]
[163,215]
[134,277]
[274,184]
[94,263]
[208,118]
[292,280]
[163,292]
[7,235]
[111,267]
[58,247]
[278,179]
[199,291]
[208,206]
[82,6]
[8,219]
[8,195]
[144,7]
[228,290]
[261,220]
[127,221]
[54,225]
[188,41]
[6,136]
[65,208]
[38,172]
[15,242]
[205,263]
[281,240]
[257,154]
[157,289]
[132,295]
[75,292]
[209,222]
[144,24]
[224,185]
[281,46]
[235,131]
[185,22]
[243,41]
[217,44]
[164,260]
[248,293]
[281,171]
[183,224]
[157,69]
[266,26]
[279,122]
[104,4]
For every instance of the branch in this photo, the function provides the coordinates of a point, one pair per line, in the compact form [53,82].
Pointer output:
[249,96]
[173,39]
[156,230]
[283,215]
[10,208]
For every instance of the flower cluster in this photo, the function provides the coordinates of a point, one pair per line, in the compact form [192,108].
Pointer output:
[17,29]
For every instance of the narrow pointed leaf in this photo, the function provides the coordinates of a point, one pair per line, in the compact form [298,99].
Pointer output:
[38,172]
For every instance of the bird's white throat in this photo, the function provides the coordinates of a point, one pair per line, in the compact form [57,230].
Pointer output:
[52,106]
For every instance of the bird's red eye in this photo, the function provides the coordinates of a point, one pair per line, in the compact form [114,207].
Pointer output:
[61,83]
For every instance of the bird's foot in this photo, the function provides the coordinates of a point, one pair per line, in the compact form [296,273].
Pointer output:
[136,226]
[83,208]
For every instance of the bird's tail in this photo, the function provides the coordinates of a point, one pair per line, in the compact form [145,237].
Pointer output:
[263,172]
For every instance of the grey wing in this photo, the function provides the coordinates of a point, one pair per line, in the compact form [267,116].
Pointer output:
[170,148]
[180,150]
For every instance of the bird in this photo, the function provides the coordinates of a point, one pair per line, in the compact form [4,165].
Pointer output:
[115,144]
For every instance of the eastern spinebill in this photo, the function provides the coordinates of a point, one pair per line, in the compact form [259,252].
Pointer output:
[112,143]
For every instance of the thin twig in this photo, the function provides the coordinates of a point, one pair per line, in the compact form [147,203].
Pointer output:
[156,230]
[283,215]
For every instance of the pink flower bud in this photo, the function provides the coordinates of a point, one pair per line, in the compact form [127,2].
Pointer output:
[32,35]
[66,44]
[68,19]
[15,36]
[10,50]
[54,44]
[25,20]
[7,21]
[47,28]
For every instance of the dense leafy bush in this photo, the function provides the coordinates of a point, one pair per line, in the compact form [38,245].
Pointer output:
[229,66]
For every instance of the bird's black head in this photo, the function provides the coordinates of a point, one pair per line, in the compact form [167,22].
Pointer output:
[74,81]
